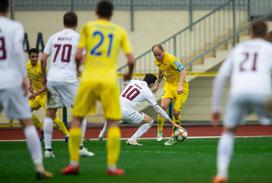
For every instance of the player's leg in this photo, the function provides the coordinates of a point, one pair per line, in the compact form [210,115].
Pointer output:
[48,131]
[61,126]
[16,107]
[101,135]
[234,114]
[147,124]
[160,121]
[73,146]
[83,150]
[35,105]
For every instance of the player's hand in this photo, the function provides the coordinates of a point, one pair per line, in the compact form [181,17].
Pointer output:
[127,77]
[180,90]
[31,89]
[215,118]
[32,96]
[25,85]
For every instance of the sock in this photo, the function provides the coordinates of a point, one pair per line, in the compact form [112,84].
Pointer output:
[113,146]
[141,130]
[74,144]
[61,126]
[83,131]
[224,153]
[177,121]
[160,124]
[34,146]
[36,121]
[48,132]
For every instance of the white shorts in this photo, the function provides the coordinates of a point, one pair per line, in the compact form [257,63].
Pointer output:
[132,116]
[242,105]
[14,103]
[61,94]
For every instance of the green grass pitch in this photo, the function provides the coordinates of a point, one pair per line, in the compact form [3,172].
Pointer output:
[190,162]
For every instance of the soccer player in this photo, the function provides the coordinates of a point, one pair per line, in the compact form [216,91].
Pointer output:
[249,66]
[134,93]
[62,82]
[269,36]
[176,88]
[14,85]
[102,41]
[37,99]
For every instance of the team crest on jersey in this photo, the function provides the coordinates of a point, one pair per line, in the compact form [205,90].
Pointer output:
[180,67]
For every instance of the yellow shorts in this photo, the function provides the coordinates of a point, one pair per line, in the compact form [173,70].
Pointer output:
[38,102]
[92,91]
[170,91]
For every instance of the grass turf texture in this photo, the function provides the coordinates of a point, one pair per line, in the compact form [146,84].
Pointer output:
[190,162]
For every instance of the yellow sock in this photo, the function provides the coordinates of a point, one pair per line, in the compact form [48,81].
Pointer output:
[160,124]
[36,121]
[113,145]
[74,144]
[61,126]
[177,121]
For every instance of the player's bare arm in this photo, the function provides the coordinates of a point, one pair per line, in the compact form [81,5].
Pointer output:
[131,62]
[79,59]
[157,83]
[181,81]
[43,59]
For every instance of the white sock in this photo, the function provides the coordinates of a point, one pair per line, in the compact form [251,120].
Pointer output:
[141,130]
[33,144]
[224,153]
[48,132]
[83,130]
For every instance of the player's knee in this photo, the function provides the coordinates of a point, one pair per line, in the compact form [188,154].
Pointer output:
[148,119]
[164,106]
[26,122]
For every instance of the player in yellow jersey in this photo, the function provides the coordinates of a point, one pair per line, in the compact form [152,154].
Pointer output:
[176,88]
[37,99]
[102,41]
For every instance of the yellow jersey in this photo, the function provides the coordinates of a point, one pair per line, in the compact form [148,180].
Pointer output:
[35,75]
[102,41]
[170,67]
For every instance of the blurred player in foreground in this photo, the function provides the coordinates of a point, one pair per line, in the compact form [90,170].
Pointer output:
[62,82]
[37,99]
[249,66]
[136,92]
[14,85]
[102,40]
[176,88]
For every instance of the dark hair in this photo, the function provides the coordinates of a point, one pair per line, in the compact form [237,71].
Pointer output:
[33,50]
[4,5]
[159,46]
[150,79]
[104,9]
[259,29]
[70,19]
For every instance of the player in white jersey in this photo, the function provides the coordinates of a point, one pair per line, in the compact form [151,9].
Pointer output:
[62,82]
[249,66]
[136,92]
[14,85]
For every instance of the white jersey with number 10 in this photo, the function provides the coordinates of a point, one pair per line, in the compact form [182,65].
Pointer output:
[62,48]
[134,93]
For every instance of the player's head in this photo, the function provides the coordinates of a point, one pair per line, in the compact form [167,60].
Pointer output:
[150,79]
[70,19]
[104,9]
[4,6]
[158,52]
[33,55]
[259,29]
[269,36]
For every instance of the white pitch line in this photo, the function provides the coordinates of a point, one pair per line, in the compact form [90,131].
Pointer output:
[153,138]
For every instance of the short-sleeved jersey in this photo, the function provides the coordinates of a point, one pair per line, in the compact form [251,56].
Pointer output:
[102,41]
[62,48]
[249,65]
[35,75]
[11,34]
[170,67]
[134,93]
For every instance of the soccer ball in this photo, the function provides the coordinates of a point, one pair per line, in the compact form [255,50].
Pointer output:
[180,134]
